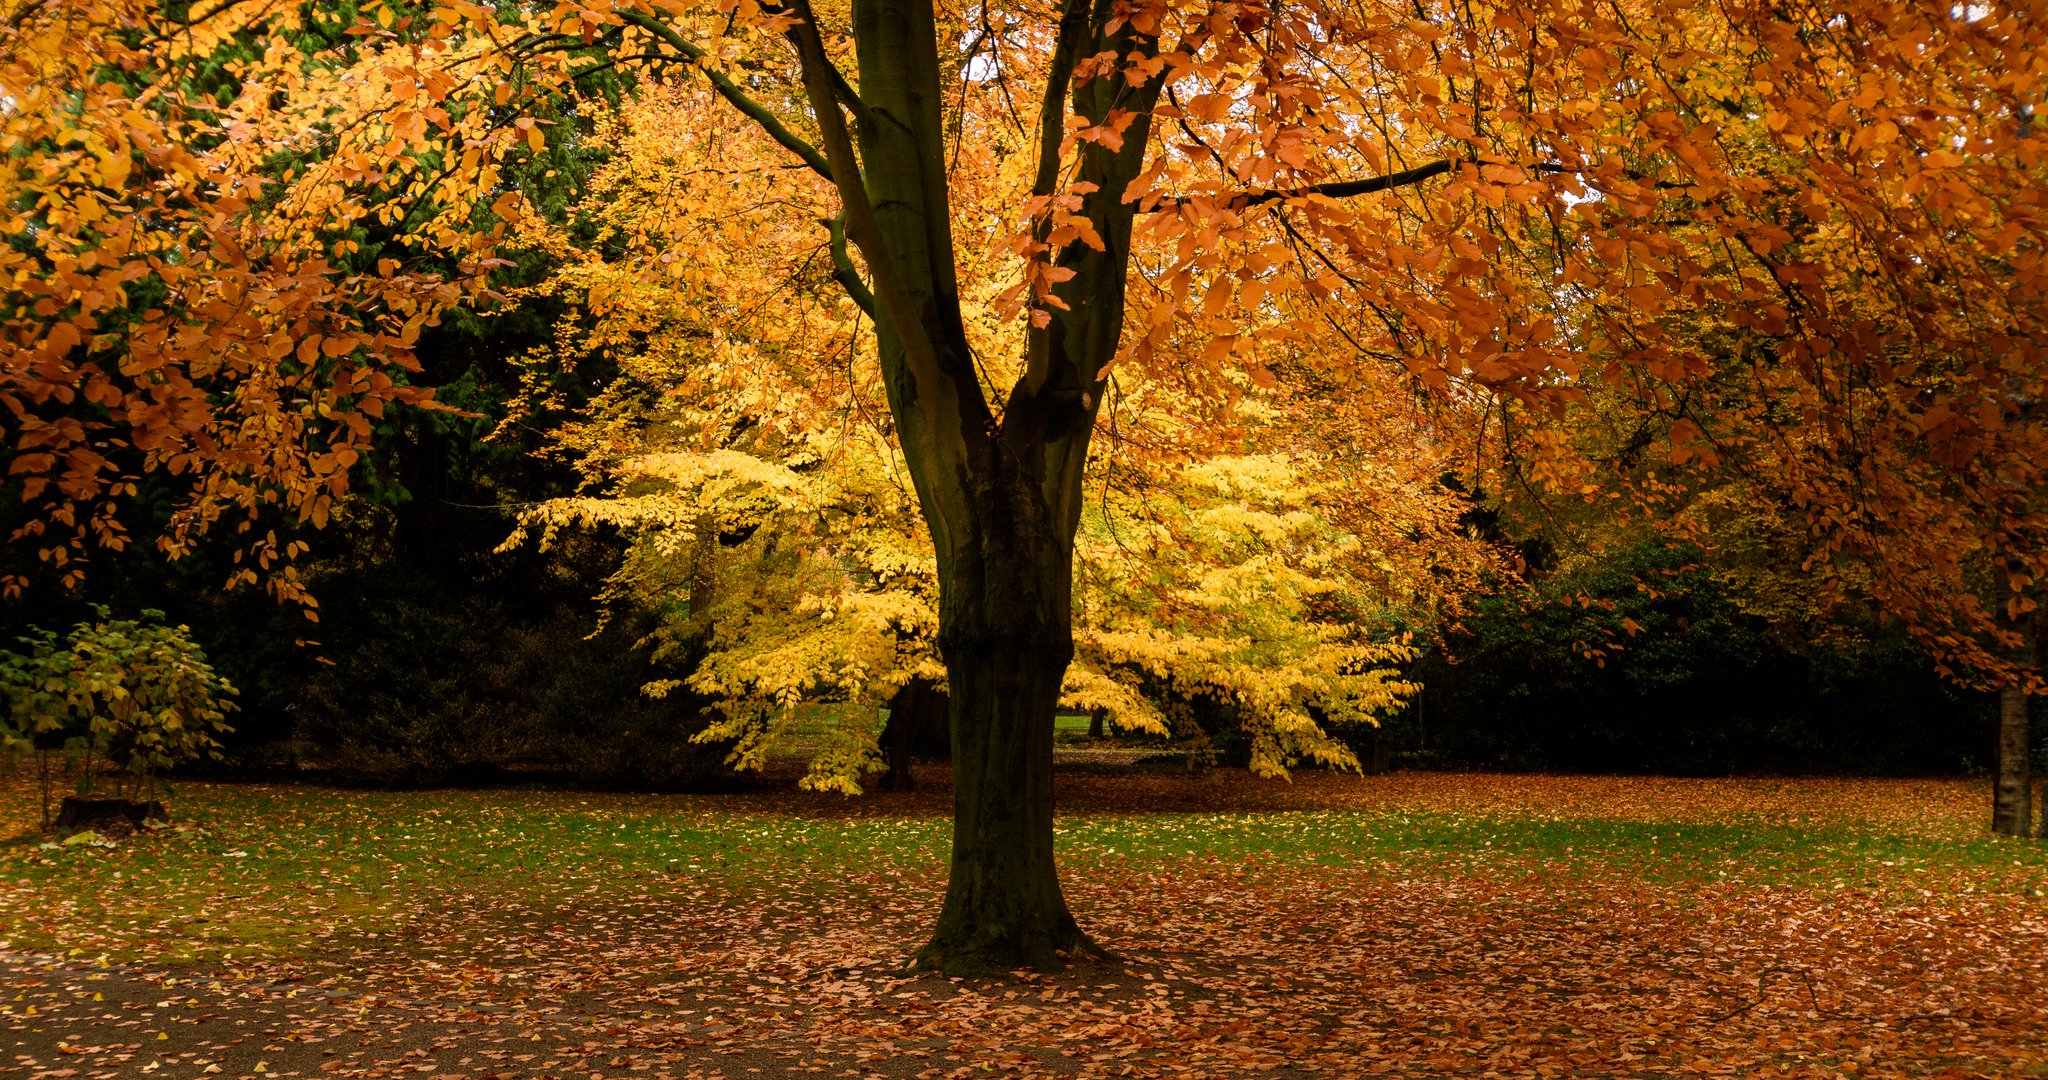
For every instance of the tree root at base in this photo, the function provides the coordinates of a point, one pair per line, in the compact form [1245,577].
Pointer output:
[1048,954]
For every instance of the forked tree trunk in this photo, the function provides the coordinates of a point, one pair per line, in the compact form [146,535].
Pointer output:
[1000,489]
[2012,800]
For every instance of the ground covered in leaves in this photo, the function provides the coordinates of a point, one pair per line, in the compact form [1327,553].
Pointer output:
[1404,925]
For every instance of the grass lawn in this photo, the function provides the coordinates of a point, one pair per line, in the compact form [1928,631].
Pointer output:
[1410,924]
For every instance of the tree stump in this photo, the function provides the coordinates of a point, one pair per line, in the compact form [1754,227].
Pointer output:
[103,815]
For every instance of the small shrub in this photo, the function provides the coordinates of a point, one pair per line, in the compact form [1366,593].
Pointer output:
[132,693]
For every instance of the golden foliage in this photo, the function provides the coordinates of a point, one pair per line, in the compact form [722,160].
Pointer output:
[219,253]
[799,579]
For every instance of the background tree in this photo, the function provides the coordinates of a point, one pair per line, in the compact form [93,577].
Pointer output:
[191,311]
[322,194]
[1225,587]
[134,694]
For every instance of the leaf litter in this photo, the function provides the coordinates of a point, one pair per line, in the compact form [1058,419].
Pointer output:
[1408,925]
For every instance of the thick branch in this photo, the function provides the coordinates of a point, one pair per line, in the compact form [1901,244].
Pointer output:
[893,299]
[731,92]
[1052,113]
[1052,119]
[847,95]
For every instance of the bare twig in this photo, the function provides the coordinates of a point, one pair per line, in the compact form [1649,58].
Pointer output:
[1811,996]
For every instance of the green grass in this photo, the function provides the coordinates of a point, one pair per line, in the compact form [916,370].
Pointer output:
[1768,852]
[272,870]
[288,862]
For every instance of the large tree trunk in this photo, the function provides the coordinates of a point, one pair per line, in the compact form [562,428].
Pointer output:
[1000,490]
[1004,908]
[1006,634]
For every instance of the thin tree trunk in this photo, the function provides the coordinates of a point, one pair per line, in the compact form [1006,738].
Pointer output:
[906,716]
[44,782]
[2012,800]
[2012,789]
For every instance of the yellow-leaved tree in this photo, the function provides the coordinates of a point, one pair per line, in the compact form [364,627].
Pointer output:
[797,581]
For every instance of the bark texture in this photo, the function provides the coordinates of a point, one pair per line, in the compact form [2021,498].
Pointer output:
[1005,632]
[2012,787]
[1004,908]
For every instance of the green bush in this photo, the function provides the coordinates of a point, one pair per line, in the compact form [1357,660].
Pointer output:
[134,694]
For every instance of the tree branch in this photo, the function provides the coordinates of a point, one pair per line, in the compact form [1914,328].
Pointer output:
[842,266]
[731,92]
[1052,125]
[840,84]
[1337,189]
[847,95]
[1342,189]
[893,298]
[182,25]
[1052,112]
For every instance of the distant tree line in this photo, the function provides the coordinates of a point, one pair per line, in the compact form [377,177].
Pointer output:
[1645,662]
